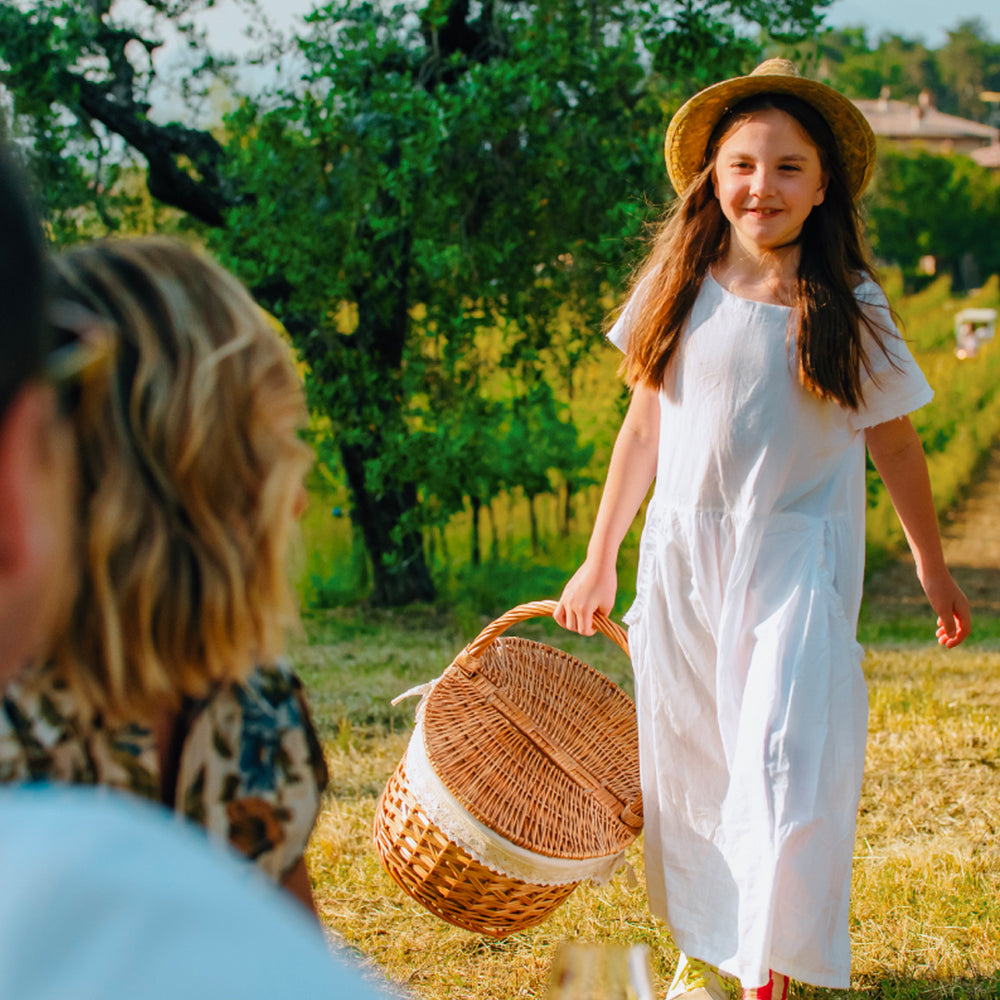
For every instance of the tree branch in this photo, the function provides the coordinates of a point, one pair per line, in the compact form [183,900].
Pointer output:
[199,191]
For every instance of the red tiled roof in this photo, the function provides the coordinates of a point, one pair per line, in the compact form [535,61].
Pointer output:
[987,156]
[899,120]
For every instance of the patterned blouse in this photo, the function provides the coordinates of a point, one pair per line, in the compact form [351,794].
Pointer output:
[251,770]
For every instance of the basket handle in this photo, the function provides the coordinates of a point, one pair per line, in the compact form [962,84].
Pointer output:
[542,609]
[629,813]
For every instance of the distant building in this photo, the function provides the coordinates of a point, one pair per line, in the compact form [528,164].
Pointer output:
[922,126]
[987,156]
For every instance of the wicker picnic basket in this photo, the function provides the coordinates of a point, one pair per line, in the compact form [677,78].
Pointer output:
[520,781]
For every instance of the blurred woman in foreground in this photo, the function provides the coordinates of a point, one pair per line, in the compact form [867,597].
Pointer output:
[169,682]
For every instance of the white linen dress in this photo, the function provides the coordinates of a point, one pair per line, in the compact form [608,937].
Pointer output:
[751,700]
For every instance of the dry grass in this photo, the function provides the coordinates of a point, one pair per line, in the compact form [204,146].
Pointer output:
[927,874]
[926,905]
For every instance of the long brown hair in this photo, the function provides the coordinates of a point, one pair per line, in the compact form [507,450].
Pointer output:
[827,320]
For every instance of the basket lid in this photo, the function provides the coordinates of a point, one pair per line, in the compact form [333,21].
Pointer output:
[538,746]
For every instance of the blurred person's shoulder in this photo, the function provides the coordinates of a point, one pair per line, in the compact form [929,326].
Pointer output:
[103,896]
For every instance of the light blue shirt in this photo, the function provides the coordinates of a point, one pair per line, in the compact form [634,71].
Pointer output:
[108,898]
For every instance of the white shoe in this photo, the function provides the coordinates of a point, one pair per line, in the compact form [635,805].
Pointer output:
[697,980]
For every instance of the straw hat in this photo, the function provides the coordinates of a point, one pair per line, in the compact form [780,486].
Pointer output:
[690,129]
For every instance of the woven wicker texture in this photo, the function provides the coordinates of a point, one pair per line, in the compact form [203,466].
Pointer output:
[445,879]
[553,778]
[540,748]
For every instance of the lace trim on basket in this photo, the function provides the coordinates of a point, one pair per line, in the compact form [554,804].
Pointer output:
[487,847]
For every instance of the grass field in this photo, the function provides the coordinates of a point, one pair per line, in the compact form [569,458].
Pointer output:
[926,903]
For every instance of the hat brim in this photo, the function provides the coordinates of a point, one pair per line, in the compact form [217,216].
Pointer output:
[690,129]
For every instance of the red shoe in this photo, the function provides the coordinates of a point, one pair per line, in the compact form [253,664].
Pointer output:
[776,988]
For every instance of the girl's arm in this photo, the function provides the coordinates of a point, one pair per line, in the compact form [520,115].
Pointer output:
[630,473]
[899,458]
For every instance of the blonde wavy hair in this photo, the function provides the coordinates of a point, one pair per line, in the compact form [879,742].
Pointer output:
[191,476]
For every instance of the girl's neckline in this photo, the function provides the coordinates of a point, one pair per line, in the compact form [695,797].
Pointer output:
[742,298]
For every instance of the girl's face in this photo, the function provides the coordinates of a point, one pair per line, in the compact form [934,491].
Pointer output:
[768,178]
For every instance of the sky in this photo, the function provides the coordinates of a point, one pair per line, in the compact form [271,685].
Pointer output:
[927,19]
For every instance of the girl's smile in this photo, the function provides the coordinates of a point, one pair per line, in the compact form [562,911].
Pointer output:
[768,178]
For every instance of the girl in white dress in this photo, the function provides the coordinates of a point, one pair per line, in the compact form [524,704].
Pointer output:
[762,358]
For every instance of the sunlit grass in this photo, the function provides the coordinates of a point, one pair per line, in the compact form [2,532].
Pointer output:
[926,903]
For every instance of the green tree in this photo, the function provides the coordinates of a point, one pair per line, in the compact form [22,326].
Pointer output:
[846,59]
[959,204]
[556,454]
[955,74]
[968,64]
[444,168]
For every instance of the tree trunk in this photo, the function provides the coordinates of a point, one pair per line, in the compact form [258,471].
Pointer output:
[494,533]
[366,404]
[394,541]
[567,510]
[445,551]
[477,504]
[533,517]
[399,569]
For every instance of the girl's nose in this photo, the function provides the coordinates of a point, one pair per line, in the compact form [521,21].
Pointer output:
[760,182]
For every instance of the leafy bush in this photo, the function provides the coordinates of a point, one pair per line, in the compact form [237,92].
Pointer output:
[958,428]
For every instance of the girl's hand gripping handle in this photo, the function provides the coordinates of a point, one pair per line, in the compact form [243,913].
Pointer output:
[630,473]
[591,588]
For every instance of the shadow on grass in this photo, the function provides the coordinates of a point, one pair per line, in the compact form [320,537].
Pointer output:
[895,610]
[902,988]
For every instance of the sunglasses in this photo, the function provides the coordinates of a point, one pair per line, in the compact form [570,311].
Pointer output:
[85,352]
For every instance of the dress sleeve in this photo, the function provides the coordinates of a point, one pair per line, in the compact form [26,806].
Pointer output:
[622,327]
[895,386]
[252,769]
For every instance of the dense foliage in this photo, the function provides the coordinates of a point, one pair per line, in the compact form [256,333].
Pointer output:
[948,207]
[442,168]
[439,206]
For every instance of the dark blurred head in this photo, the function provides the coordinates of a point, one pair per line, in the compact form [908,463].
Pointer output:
[37,466]
[24,340]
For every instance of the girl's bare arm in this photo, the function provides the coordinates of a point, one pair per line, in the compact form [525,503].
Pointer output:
[630,473]
[899,458]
